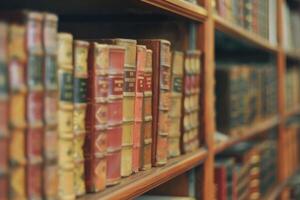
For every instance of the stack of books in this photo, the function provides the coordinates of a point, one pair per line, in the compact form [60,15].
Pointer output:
[78,115]
[245,95]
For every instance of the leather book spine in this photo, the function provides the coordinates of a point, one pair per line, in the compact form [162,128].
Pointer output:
[128,104]
[80,72]
[220,181]
[146,151]
[115,113]
[96,122]
[4,104]
[191,102]
[138,106]
[34,104]
[176,101]
[17,94]
[50,109]
[161,98]
[65,117]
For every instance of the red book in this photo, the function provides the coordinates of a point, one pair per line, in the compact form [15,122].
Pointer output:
[220,181]
[139,89]
[115,113]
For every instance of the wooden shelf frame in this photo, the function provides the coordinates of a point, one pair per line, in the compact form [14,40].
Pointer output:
[293,55]
[182,8]
[253,131]
[143,181]
[243,34]
[293,112]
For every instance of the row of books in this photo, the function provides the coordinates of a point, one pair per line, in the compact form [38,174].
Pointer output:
[292,190]
[80,114]
[291,28]
[244,96]
[292,88]
[246,171]
[254,15]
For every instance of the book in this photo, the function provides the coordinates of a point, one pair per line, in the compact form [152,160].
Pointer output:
[146,148]
[115,113]
[95,147]
[161,98]
[176,102]
[138,107]
[34,103]
[80,78]
[190,139]
[128,102]
[17,105]
[4,104]
[65,117]
[50,139]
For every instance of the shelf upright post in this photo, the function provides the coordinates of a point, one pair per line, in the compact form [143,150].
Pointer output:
[206,43]
[281,68]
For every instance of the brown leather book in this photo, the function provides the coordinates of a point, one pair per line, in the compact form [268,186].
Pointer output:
[146,136]
[4,103]
[50,109]
[17,93]
[191,101]
[80,72]
[115,113]
[161,72]
[138,107]
[176,102]
[65,117]
[96,121]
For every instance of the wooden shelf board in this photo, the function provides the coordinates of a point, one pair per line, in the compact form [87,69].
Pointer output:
[180,7]
[144,181]
[241,33]
[293,112]
[248,133]
[293,55]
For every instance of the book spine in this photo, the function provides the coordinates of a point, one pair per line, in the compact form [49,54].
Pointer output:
[17,93]
[96,121]
[190,124]
[138,107]
[147,114]
[34,104]
[50,140]
[79,113]
[115,114]
[65,117]
[221,182]
[4,104]
[128,104]
[176,101]
[164,103]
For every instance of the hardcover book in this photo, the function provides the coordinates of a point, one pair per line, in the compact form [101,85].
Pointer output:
[80,78]
[191,102]
[176,102]
[50,109]
[95,148]
[138,107]
[161,73]
[146,148]
[115,113]
[65,117]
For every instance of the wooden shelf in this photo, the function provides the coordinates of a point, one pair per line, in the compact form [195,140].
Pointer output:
[144,181]
[293,55]
[180,7]
[248,133]
[243,34]
[295,111]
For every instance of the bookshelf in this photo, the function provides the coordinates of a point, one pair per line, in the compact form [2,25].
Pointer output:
[208,22]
